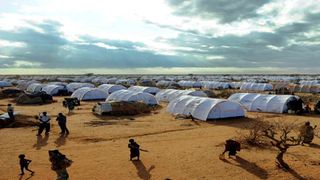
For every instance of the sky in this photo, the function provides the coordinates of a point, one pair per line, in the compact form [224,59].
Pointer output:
[159,36]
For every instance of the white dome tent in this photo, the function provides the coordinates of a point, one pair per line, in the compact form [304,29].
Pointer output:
[53,89]
[74,86]
[150,90]
[190,84]
[5,84]
[215,85]
[205,108]
[127,95]
[110,88]
[263,102]
[256,87]
[34,88]
[23,84]
[169,94]
[166,83]
[86,93]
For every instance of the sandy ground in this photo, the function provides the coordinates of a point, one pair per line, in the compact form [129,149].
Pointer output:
[178,149]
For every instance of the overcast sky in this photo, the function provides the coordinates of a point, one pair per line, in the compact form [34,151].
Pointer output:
[159,36]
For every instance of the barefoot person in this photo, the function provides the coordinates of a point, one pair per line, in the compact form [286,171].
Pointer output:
[24,163]
[134,149]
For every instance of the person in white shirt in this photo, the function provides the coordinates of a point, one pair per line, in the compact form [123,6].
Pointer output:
[44,120]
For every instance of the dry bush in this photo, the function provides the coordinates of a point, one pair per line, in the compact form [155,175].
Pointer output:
[264,134]
[252,135]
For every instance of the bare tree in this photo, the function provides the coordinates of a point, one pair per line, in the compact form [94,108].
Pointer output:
[282,136]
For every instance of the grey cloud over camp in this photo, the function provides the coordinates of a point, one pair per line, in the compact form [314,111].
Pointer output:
[225,11]
[51,49]
[294,45]
[286,47]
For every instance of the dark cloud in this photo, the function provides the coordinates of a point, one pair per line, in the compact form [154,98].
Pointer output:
[287,47]
[224,10]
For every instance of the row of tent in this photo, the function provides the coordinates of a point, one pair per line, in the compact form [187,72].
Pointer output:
[112,78]
[248,86]
[204,108]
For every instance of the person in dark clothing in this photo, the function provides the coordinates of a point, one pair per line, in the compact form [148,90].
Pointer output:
[232,147]
[59,164]
[62,121]
[44,123]
[24,163]
[307,133]
[10,111]
[134,149]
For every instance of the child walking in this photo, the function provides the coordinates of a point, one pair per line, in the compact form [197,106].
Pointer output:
[24,163]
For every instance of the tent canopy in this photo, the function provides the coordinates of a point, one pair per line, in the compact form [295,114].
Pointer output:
[127,95]
[205,108]
[263,102]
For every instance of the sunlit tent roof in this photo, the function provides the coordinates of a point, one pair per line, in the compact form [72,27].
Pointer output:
[205,108]
[190,84]
[165,83]
[126,82]
[35,87]
[151,90]
[236,85]
[170,94]
[23,84]
[87,93]
[127,95]
[304,88]
[263,102]
[256,87]
[215,85]
[310,83]
[53,89]
[74,86]
[57,83]
[110,88]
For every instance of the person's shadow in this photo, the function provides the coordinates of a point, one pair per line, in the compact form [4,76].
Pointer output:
[249,167]
[41,141]
[21,177]
[61,140]
[143,173]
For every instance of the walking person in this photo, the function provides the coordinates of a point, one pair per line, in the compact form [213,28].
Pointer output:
[24,164]
[134,149]
[10,111]
[62,121]
[59,164]
[44,123]
[231,147]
